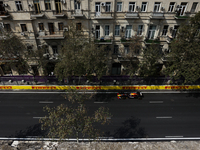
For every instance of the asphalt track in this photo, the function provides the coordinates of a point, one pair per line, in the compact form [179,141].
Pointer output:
[158,115]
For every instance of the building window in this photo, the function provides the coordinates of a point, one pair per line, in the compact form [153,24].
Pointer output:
[55,49]
[47,4]
[97,32]
[108,6]
[51,28]
[144,7]
[23,27]
[157,7]
[171,6]
[116,49]
[117,29]
[60,26]
[126,49]
[7,27]
[131,7]
[165,29]
[18,5]
[175,31]
[37,6]
[152,30]
[58,6]
[107,30]
[78,26]
[181,9]
[119,6]
[77,4]
[140,29]
[128,31]
[41,26]
[194,6]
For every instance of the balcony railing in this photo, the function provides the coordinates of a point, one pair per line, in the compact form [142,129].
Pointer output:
[77,13]
[102,40]
[157,15]
[51,35]
[152,41]
[59,13]
[132,15]
[103,15]
[37,14]
[4,14]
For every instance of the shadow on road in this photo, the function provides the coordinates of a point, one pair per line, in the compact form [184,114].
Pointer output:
[31,131]
[99,97]
[129,129]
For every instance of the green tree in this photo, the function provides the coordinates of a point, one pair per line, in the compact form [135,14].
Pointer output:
[149,65]
[65,121]
[185,52]
[131,64]
[80,56]
[15,53]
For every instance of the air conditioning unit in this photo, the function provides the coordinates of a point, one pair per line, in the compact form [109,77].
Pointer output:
[103,4]
[65,29]
[177,6]
[22,33]
[30,5]
[63,1]
[5,5]
[162,8]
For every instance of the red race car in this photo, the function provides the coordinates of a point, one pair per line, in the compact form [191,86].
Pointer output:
[135,95]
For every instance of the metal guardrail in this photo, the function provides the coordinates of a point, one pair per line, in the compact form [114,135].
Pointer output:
[104,80]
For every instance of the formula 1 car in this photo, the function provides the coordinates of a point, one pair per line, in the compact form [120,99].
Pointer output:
[135,95]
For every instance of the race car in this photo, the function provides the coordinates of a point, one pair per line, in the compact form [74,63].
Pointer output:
[122,95]
[135,95]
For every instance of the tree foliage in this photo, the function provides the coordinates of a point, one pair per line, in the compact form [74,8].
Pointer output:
[185,52]
[15,53]
[80,55]
[132,62]
[65,121]
[150,66]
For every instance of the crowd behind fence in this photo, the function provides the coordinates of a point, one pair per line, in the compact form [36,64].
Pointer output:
[104,80]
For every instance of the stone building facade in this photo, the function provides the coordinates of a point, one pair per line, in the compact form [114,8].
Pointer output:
[43,23]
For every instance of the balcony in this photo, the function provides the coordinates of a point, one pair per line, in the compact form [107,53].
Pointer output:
[181,17]
[169,39]
[152,41]
[131,15]
[125,40]
[46,35]
[58,14]
[77,13]
[103,40]
[157,15]
[4,14]
[104,15]
[37,14]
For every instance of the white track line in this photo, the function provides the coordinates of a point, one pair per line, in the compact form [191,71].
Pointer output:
[174,136]
[38,117]
[100,102]
[45,102]
[164,117]
[103,139]
[156,102]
